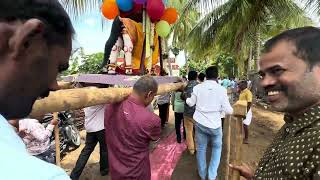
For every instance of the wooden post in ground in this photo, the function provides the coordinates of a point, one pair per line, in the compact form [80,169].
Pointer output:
[57,140]
[223,172]
[236,136]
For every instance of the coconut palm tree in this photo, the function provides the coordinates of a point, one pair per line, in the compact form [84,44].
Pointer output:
[77,8]
[236,25]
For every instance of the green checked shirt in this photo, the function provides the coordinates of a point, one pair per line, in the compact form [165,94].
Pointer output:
[295,151]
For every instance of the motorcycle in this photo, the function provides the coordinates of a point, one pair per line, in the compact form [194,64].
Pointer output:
[69,136]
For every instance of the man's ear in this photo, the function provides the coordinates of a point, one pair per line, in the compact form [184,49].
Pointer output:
[24,34]
[149,94]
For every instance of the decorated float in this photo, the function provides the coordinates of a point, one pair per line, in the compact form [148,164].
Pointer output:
[137,42]
[136,45]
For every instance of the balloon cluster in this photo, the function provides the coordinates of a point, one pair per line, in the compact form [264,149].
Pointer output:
[156,9]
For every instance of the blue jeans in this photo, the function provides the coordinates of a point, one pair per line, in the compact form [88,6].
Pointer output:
[203,136]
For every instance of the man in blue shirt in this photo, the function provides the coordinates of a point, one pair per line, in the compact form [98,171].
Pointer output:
[35,44]
[226,83]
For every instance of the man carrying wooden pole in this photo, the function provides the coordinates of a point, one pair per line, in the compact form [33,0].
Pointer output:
[130,127]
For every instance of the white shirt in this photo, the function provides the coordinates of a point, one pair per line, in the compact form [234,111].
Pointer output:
[94,118]
[211,100]
[17,164]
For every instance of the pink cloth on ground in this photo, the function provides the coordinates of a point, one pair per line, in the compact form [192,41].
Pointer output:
[165,157]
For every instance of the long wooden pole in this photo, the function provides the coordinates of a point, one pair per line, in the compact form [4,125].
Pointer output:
[65,85]
[72,99]
[57,140]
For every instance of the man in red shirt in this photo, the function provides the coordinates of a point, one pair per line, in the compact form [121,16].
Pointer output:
[130,127]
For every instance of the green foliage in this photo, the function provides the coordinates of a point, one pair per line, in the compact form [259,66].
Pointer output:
[224,61]
[73,67]
[91,63]
[226,64]
[81,63]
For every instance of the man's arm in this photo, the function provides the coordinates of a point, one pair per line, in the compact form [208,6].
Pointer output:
[155,129]
[192,100]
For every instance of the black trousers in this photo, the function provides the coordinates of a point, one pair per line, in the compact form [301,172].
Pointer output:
[91,141]
[178,120]
[163,113]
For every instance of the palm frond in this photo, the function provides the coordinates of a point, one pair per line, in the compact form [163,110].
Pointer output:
[313,6]
[76,8]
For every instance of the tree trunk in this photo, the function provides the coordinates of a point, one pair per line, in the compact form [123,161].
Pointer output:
[73,99]
[169,62]
[250,61]
[256,50]
[186,59]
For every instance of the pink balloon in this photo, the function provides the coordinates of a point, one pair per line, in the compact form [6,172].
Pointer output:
[155,9]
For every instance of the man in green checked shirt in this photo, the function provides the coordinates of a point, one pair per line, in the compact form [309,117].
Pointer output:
[290,75]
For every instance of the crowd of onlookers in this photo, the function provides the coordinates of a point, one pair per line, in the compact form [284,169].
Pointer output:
[201,108]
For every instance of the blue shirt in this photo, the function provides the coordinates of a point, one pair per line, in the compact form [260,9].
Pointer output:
[233,84]
[16,163]
[226,83]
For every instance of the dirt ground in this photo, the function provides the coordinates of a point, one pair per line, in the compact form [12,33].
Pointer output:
[262,130]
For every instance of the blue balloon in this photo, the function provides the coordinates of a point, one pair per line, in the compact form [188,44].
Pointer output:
[125,5]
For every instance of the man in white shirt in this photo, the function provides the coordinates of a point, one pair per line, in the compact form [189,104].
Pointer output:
[35,45]
[211,100]
[94,125]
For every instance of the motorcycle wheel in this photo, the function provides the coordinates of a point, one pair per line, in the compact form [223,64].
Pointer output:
[75,137]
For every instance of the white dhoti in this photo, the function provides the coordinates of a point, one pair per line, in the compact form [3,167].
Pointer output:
[247,120]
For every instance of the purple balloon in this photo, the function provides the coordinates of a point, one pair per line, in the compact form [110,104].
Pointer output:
[140,1]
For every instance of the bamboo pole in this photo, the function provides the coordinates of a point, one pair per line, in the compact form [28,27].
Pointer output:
[57,140]
[72,99]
